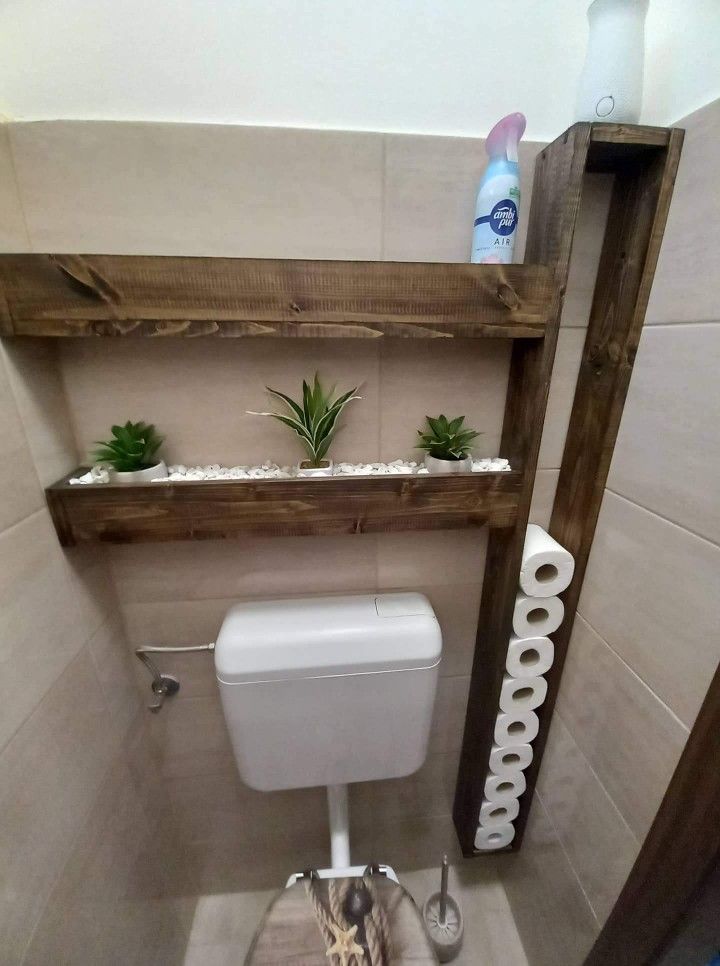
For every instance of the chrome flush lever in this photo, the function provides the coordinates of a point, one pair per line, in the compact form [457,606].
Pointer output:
[164,685]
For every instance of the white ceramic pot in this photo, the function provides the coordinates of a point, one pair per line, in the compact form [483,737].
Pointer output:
[325,469]
[157,472]
[611,81]
[434,465]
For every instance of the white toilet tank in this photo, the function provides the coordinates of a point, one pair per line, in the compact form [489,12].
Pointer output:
[328,690]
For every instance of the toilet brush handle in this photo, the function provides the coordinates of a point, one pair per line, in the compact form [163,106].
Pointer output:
[443,890]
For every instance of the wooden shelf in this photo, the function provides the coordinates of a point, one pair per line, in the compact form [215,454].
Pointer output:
[153,512]
[138,295]
[120,295]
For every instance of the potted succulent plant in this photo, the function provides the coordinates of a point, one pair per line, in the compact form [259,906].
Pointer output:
[315,421]
[131,454]
[447,445]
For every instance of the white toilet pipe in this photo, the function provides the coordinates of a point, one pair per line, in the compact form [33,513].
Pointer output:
[337,797]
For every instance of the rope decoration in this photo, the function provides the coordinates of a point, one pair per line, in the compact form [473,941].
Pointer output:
[339,935]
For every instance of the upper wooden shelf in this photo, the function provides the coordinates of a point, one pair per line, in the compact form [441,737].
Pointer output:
[149,295]
[152,512]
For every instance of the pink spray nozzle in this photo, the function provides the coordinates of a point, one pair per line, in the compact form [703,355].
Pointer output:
[502,141]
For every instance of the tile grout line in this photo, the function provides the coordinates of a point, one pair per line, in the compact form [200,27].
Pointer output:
[567,857]
[597,778]
[634,673]
[674,523]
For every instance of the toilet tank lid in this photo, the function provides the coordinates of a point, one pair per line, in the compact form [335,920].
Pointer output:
[306,637]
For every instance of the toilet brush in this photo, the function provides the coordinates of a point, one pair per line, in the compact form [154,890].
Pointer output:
[443,920]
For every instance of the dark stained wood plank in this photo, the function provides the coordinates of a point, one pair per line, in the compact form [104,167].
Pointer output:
[636,222]
[681,848]
[161,296]
[611,145]
[132,513]
[555,203]
[635,136]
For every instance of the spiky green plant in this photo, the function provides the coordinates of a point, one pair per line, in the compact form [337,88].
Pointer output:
[316,420]
[132,447]
[446,439]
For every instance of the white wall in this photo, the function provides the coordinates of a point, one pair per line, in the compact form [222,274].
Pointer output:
[682,66]
[437,66]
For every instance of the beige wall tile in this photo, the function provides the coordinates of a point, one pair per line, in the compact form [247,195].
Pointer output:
[197,392]
[629,738]
[193,738]
[668,450]
[174,622]
[247,568]
[555,922]
[111,657]
[448,722]
[457,607]
[13,234]
[49,774]
[92,585]
[426,793]
[587,245]
[199,189]
[560,399]
[222,865]
[406,843]
[683,290]
[598,843]
[543,497]
[36,382]
[651,591]
[407,560]
[39,629]
[456,377]
[220,808]
[20,492]
[431,185]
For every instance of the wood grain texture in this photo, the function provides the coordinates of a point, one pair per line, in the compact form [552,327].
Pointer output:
[612,145]
[636,222]
[681,848]
[133,513]
[556,195]
[138,295]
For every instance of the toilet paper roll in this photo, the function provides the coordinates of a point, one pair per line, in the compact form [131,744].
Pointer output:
[497,837]
[529,657]
[522,694]
[537,616]
[492,813]
[504,788]
[547,568]
[519,728]
[510,759]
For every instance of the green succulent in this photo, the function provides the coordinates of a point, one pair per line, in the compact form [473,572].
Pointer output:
[446,439]
[315,420]
[132,447]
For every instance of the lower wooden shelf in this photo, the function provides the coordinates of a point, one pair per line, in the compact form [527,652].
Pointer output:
[153,512]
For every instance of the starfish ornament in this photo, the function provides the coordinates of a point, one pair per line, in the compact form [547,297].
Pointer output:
[345,946]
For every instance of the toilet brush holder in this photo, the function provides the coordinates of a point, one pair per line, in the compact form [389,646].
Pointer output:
[443,920]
